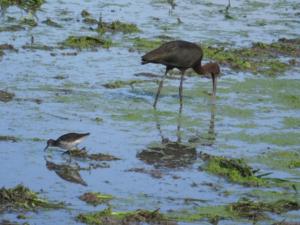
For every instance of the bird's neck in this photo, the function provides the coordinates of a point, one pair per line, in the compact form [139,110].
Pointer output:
[200,69]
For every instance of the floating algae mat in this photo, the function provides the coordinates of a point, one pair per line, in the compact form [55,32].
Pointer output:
[84,42]
[21,198]
[260,58]
[108,217]
[242,210]
[237,171]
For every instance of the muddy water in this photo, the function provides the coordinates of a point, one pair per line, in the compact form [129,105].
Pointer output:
[253,115]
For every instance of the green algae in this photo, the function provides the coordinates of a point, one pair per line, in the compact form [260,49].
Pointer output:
[275,138]
[260,58]
[243,209]
[236,112]
[6,96]
[235,170]
[120,83]
[95,198]
[22,198]
[291,122]
[27,5]
[117,26]
[270,196]
[280,160]
[84,42]
[107,217]
[143,44]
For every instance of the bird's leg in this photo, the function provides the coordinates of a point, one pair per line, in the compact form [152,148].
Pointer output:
[179,126]
[159,88]
[180,91]
[214,88]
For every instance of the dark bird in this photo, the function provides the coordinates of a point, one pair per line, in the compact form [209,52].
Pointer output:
[181,55]
[67,141]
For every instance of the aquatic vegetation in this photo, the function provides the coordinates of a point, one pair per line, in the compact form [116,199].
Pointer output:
[291,122]
[83,42]
[117,26]
[95,198]
[8,138]
[143,44]
[275,138]
[282,160]
[28,21]
[120,83]
[107,216]
[6,96]
[242,209]
[82,153]
[260,58]
[51,23]
[27,5]
[22,198]
[169,154]
[37,46]
[235,170]
[12,28]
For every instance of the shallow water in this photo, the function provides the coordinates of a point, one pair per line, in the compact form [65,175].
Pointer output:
[249,118]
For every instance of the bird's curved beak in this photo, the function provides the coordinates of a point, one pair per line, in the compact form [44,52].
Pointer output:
[46,147]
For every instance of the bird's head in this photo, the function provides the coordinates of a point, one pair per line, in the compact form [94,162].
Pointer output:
[50,142]
[211,68]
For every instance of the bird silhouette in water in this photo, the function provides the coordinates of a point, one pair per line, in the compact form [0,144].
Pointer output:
[182,55]
[67,141]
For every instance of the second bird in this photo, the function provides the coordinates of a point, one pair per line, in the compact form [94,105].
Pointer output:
[67,141]
[181,55]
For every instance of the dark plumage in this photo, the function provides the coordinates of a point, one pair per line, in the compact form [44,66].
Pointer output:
[67,141]
[181,55]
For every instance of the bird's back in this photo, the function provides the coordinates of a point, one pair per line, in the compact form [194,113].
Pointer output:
[70,137]
[175,54]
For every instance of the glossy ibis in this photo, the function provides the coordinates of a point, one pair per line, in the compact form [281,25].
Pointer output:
[67,141]
[181,55]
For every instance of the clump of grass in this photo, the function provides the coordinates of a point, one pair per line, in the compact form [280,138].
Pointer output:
[83,42]
[117,26]
[22,198]
[235,170]
[135,217]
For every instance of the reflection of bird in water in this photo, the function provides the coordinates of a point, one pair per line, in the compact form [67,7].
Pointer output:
[67,141]
[170,154]
[209,138]
[181,55]
[66,172]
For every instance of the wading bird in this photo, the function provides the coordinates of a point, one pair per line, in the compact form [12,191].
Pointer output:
[181,55]
[67,141]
